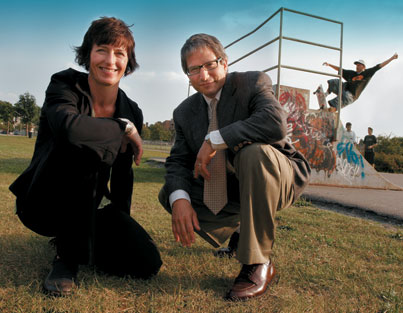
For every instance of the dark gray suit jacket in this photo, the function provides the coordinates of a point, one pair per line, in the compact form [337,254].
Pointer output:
[247,113]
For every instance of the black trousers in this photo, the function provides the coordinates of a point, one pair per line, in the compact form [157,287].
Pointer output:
[121,245]
[370,157]
[63,204]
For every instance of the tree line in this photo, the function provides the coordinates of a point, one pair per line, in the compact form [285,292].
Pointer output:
[389,154]
[158,132]
[25,113]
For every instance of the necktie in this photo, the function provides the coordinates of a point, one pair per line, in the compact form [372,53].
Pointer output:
[215,189]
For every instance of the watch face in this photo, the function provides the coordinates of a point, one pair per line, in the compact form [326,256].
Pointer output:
[129,127]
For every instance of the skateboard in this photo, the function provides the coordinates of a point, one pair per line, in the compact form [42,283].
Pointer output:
[320,94]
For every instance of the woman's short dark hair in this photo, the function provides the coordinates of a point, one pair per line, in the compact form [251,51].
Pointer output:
[107,31]
[201,41]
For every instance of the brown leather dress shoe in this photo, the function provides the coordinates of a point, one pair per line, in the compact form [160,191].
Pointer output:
[60,280]
[252,281]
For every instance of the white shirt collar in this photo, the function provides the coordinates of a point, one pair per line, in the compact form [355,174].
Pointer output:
[217,96]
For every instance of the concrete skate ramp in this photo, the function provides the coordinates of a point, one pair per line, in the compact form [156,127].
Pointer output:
[333,162]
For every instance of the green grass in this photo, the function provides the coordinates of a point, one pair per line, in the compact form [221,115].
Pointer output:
[326,262]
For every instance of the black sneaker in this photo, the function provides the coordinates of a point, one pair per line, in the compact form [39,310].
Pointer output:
[60,280]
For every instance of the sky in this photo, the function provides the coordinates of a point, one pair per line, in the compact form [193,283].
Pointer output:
[37,39]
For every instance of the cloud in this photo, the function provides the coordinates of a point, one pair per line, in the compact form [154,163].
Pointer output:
[9,97]
[233,20]
[145,75]
[74,66]
[174,76]
[156,76]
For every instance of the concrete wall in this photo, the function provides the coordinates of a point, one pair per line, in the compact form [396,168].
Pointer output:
[333,162]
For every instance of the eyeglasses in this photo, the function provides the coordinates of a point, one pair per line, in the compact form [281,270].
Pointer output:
[208,66]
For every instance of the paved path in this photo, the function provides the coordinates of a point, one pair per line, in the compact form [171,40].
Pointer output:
[385,203]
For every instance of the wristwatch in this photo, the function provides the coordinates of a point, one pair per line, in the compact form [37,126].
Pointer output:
[207,139]
[129,125]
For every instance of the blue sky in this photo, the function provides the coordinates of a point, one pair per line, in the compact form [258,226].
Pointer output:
[37,40]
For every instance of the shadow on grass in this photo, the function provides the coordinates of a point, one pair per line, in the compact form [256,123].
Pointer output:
[24,259]
[14,166]
[141,174]
[172,284]
[149,175]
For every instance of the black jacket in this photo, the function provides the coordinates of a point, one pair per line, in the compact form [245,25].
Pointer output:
[75,153]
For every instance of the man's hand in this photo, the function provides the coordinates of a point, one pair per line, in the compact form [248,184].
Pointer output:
[206,153]
[184,221]
[133,138]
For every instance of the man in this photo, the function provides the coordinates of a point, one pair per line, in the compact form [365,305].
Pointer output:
[355,82]
[263,172]
[370,143]
[348,134]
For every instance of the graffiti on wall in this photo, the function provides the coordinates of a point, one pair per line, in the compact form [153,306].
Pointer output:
[349,164]
[310,133]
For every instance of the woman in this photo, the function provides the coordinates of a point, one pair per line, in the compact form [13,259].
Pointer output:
[79,184]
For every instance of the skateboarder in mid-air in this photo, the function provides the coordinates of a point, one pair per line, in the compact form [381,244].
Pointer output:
[355,82]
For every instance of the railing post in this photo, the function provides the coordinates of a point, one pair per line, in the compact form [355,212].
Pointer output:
[340,83]
[280,41]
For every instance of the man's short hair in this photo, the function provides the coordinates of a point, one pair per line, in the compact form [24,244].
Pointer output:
[370,128]
[201,41]
[107,31]
[348,124]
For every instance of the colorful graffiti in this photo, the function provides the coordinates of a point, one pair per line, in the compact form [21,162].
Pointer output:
[349,164]
[310,133]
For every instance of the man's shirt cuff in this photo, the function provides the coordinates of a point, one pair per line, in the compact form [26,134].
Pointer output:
[178,194]
[217,142]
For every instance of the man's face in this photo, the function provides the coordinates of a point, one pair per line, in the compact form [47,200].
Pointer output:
[369,131]
[348,127]
[207,82]
[360,67]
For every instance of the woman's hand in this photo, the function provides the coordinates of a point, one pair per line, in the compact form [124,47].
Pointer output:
[133,138]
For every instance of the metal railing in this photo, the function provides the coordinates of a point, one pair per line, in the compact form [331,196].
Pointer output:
[279,65]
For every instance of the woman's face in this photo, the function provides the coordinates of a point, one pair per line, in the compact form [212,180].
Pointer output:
[107,64]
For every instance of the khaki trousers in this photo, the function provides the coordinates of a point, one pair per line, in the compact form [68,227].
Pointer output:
[266,185]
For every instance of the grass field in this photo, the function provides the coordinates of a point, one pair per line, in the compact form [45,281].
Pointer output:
[326,262]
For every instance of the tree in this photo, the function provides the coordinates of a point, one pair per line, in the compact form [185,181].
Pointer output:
[146,133]
[389,154]
[27,110]
[158,132]
[6,113]
[389,144]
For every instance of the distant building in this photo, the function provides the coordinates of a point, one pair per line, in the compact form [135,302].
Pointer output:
[168,124]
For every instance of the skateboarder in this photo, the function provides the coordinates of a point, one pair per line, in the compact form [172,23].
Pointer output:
[355,82]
